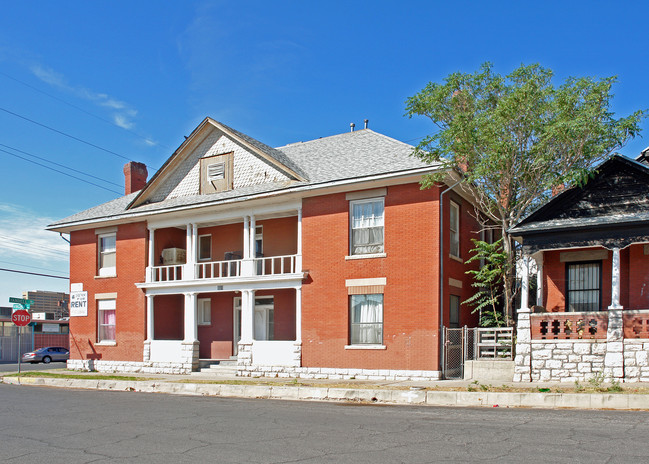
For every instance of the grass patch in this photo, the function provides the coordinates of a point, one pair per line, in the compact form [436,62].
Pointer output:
[55,375]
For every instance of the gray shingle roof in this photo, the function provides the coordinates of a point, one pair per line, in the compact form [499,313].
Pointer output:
[352,155]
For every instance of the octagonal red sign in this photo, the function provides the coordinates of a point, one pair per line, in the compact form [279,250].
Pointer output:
[21,318]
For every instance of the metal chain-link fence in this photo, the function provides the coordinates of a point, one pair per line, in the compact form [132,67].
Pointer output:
[464,344]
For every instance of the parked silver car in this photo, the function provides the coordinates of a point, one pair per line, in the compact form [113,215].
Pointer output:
[47,355]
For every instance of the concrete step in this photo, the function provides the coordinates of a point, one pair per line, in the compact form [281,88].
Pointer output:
[212,368]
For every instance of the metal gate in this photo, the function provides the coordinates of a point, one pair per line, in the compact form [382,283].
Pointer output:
[9,348]
[464,343]
[458,347]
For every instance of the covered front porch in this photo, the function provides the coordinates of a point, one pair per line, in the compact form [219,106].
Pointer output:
[254,326]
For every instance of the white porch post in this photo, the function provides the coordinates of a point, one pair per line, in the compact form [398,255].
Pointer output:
[298,263]
[298,314]
[247,309]
[152,262]
[246,238]
[523,360]
[251,236]
[615,280]
[191,330]
[188,271]
[539,280]
[149,317]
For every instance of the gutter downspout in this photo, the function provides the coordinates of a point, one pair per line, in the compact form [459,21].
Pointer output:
[441,273]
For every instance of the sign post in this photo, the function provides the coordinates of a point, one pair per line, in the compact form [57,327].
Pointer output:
[21,318]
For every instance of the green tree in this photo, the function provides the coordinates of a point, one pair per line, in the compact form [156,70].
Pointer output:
[517,137]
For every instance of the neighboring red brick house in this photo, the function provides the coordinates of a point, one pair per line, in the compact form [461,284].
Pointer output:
[318,258]
[591,247]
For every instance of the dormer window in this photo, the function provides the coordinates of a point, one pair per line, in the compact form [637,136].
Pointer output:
[216,173]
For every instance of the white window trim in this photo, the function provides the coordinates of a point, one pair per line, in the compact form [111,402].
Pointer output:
[351,229]
[209,258]
[201,311]
[370,346]
[365,347]
[106,271]
[452,205]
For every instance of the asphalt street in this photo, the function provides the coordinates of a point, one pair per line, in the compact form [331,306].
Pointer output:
[46,425]
[24,367]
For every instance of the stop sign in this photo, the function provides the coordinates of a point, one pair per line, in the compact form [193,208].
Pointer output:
[21,318]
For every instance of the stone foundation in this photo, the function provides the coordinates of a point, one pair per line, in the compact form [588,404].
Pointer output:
[129,367]
[333,373]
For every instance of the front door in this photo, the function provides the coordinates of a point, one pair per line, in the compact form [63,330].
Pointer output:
[263,320]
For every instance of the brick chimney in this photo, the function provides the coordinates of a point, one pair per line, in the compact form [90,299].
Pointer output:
[134,177]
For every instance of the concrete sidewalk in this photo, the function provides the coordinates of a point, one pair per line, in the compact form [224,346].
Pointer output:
[439,393]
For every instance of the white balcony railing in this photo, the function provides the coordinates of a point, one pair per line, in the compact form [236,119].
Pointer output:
[219,269]
[276,265]
[264,267]
[167,273]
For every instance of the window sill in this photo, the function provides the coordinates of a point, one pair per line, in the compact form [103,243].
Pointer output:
[367,256]
[456,258]
[365,347]
[105,276]
[106,344]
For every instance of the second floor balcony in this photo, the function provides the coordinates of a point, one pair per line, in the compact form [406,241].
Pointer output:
[251,249]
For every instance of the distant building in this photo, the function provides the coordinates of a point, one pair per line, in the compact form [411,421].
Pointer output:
[48,305]
[5,312]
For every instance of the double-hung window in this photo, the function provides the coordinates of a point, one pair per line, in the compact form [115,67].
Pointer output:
[106,321]
[584,286]
[454,228]
[204,311]
[367,226]
[107,254]
[366,316]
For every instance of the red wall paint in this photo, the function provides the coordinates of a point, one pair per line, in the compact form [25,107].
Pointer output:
[130,312]
[168,317]
[411,267]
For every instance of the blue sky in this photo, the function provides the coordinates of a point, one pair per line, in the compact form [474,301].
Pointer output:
[89,85]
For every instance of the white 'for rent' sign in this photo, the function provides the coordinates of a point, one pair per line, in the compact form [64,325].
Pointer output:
[78,304]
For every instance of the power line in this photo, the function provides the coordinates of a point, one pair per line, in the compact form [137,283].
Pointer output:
[58,164]
[67,135]
[34,273]
[146,139]
[60,172]
[26,265]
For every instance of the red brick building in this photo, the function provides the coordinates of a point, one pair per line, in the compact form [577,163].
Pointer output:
[320,258]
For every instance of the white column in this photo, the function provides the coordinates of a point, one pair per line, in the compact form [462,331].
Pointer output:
[247,310]
[525,284]
[152,247]
[539,281]
[152,261]
[298,314]
[149,317]
[194,243]
[190,252]
[246,238]
[191,330]
[298,264]
[253,253]
[615,280]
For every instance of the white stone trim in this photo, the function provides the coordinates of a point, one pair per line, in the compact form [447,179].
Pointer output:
[454,282]
[367,256]
[365,282]
[362,195]
[365,347]
[106,230]
[106,296]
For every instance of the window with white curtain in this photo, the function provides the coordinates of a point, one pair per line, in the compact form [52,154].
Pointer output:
[366,319]
[367,226]
[106,320]
[584,286]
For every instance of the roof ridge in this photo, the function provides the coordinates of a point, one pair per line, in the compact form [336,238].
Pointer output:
[350,133]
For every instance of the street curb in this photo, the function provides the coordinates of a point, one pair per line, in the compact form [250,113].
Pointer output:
[619,401]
